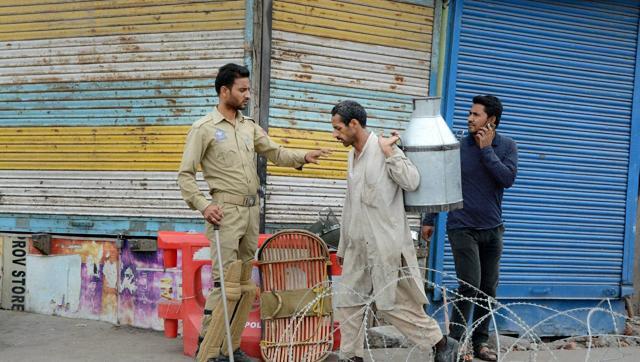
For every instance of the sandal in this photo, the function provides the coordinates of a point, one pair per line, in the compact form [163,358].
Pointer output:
[466,357]
[485,353]
[466,354]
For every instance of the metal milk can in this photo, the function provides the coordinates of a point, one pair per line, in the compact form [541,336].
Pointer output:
[434,150]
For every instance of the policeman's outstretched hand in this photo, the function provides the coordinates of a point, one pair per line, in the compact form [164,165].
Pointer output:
[315,155]
[213,214]
[386,143]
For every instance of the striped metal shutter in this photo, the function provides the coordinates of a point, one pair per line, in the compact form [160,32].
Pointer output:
[324,51]
[565,73]
[96,99]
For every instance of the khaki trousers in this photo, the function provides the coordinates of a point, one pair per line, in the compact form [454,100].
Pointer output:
[407,316]
[238,241]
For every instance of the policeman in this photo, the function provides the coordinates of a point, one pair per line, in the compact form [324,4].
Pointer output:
[224,143]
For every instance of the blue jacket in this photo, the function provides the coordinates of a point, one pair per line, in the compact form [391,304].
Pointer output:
[485,174]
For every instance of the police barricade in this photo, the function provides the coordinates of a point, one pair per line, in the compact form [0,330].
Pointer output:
[295,297]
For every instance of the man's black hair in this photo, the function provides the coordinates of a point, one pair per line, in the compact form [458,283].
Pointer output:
[228,73]
[492,106]
[349,110]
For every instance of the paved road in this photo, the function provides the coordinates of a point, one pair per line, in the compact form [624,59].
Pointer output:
[34,338]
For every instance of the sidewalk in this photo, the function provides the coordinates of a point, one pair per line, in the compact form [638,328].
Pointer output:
[35,337]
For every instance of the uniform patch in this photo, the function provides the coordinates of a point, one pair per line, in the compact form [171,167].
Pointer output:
[220,135]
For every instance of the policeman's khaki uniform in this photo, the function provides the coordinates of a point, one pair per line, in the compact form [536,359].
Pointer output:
[380,263]
[226,153]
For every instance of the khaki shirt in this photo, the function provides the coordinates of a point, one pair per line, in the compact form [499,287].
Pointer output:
[227,156]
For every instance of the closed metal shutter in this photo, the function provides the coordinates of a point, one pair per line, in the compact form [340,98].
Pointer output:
[325,51]
[96,99]
[565,73]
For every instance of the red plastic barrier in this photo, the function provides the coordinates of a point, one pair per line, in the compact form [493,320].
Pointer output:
[336,269]
[190,309]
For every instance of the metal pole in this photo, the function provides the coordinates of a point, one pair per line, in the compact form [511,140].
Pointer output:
[227,324]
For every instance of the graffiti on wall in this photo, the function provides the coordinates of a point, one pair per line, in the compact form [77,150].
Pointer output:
[78,279]
[94,279]
[143,283]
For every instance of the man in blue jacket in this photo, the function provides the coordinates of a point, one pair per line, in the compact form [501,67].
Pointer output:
[488,162]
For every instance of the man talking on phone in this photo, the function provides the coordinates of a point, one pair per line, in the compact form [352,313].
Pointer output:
[489,162]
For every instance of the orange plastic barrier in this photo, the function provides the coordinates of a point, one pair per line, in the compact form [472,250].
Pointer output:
[190,308]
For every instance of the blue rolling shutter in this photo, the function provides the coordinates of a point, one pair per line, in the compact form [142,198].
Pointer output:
[565,73]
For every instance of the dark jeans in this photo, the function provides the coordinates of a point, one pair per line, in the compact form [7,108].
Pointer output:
[476,254]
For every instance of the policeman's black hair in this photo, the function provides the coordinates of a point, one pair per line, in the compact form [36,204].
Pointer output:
[492,106]
[228,73]
[349,110]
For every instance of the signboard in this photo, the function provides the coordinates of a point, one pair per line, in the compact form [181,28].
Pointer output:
[14,281]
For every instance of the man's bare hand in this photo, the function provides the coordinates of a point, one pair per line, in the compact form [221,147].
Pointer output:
[427,232]
[485,135]
[213,214]
[340,260]
[386,143]
[315,155]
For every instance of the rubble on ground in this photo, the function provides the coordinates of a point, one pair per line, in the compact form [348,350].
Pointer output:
[389,337]
[630,338]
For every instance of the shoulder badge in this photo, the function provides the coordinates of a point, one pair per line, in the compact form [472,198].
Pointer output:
[203,120]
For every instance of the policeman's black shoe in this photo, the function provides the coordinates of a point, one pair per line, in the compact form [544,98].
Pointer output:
[238,356]
[448,353]
[352,359]
[200,339]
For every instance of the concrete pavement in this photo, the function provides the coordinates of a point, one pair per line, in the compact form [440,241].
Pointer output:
[34,337]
